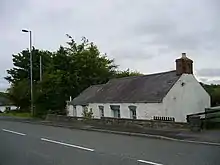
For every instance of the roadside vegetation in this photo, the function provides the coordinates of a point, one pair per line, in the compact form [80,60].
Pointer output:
[17,114]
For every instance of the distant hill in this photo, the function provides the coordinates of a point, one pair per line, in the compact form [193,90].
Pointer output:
[4,99]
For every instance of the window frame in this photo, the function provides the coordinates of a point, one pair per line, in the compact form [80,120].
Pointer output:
[116,111]
[101,111]
[133,111]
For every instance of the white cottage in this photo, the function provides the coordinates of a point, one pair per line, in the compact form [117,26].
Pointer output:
[168,95]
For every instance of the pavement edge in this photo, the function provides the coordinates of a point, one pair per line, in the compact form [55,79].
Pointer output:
[48,123]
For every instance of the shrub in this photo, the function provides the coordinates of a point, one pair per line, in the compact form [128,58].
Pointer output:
[87,113]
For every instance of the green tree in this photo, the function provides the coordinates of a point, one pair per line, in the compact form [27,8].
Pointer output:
[66,72]
[74,68]
[19,75]
[21,62]
[126,73]
[214,92]
[70,70]
[19,93]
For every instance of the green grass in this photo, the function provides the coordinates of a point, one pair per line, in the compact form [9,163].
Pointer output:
[17,114]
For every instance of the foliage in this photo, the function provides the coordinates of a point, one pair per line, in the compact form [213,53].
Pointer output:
[88,114]
[127,73]
[66,72]
[21,69]
[214,92]
[19,93]
[4,99]
[17,114]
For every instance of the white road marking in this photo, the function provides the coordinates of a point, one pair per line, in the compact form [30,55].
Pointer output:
[18,133]
[66,144]
[148,162]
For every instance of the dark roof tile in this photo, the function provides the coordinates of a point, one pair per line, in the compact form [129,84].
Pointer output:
[86,95]
[136,89]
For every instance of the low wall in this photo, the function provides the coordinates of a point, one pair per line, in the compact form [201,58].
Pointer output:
[119,123]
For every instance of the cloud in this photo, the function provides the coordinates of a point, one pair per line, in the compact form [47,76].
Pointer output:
[181,25]
[209,72]
[146,35]
[204,80]
[214,82]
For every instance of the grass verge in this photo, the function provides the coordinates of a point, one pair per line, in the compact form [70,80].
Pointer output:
[17,114]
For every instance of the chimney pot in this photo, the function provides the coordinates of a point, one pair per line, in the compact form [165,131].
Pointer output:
[183,55]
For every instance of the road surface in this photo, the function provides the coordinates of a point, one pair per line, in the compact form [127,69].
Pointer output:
[27,144]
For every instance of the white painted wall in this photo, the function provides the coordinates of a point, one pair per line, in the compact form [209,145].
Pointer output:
[79,111]
[70,110]
[143,111]
[187,99]
[179,102]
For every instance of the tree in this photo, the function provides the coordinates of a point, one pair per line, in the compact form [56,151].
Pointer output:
[72,69]
[126,73]
[4,99]
[19,75]
[214,92]
[21,62]
[66,72]
[19,93]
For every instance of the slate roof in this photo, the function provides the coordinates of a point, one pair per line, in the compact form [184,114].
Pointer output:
[136,89]
[87,95]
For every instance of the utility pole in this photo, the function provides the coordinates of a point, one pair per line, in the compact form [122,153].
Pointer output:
[40,68]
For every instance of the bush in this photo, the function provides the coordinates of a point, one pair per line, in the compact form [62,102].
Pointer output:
[88,114]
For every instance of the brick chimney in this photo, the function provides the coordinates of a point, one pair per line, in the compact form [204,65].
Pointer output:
[184,65]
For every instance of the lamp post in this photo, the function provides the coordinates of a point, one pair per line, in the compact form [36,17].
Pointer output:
[31,68]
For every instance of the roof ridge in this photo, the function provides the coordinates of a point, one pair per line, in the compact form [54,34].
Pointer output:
[166,72]
[152,74]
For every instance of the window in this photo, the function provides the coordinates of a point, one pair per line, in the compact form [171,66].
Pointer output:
[101,111]
[116,111]
[133,114]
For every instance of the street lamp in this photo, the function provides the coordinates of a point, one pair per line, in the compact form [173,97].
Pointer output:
[31,68]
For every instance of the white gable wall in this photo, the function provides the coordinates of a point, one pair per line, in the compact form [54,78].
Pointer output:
[187,96]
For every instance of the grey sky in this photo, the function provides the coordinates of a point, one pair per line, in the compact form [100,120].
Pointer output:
[137,34]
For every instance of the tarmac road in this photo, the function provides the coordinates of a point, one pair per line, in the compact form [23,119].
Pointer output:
[25,144]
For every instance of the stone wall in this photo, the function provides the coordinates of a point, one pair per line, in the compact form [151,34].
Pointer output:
[119,123]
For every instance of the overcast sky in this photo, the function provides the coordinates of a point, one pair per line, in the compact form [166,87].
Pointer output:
[143,35]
